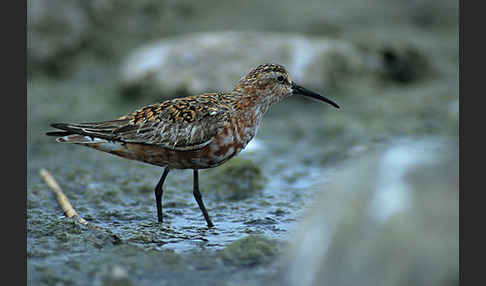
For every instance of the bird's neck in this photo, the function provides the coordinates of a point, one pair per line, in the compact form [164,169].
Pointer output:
[249,111]
[251,103]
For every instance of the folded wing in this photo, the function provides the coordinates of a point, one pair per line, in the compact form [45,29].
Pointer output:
[179,124]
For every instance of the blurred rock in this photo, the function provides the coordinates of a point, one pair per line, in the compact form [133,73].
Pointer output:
[403,64]
[395,60]
[249,251]
[433,12]
[197,63]
[60,30]
[237,179]
[390,218]
[56,29]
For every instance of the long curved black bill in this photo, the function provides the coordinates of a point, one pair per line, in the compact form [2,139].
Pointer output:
[296,89]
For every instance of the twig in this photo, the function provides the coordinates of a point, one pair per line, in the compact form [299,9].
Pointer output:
[68,208]
[61,198]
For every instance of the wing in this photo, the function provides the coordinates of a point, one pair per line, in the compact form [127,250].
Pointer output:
[180,124]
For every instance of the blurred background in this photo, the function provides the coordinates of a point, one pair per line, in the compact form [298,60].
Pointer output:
[321,196]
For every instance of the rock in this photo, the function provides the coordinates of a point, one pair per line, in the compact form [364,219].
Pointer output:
[249,251]
[57,29]
[205,62]
[433,12]
[237,179]
[389,219]
[402,64]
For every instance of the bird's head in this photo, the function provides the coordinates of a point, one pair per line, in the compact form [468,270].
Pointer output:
[272,83]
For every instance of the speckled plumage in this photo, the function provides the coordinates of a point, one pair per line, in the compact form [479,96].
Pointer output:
[194,132]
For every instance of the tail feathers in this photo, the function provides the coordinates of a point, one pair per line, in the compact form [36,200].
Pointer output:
[58,133]
[86,132]
[80,139]
[97,127]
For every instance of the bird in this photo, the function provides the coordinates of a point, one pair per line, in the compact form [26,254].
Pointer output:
[194,132]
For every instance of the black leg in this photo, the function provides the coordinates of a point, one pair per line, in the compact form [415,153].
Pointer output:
[198,197]
[159,192]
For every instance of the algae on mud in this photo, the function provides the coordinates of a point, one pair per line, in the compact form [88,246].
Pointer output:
[251,250]
[236,180]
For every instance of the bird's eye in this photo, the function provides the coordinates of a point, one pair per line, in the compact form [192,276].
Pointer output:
[280,78]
